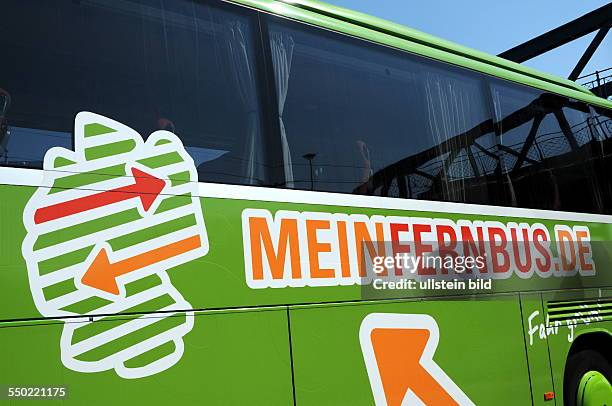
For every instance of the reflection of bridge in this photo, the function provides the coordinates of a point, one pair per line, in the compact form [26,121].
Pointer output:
[599,82]
[470,162]
[467,160]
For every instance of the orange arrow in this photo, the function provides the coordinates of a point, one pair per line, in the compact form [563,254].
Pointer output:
[398,350]
[102,274]
[401,370]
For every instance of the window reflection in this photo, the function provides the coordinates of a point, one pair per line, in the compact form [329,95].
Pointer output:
[177,65]
[347,116]
[374,121]
[549,150]
[380,122]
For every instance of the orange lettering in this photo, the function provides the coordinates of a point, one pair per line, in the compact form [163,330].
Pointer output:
[345,264]
[315,247]
[583,250]
[288,237]
[568,257]
[363,240]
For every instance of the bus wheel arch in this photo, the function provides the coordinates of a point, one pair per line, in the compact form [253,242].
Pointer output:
[590,356]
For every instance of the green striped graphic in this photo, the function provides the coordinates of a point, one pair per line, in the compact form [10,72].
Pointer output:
[87,305]
[80,180]
[158,161]
[105,150]
[142,284]
[59,289]
[104,324]
[151,355]
[64,260]
[94,129]
[173,202]
[60,162]
[86,228]
[179,178]
[78,256]
[121,343]
[152,232]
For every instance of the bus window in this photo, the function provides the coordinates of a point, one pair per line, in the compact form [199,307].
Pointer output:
[547,150]
[345,110]
[601,123]
[600,128]
[364,119]
[463,157]
[176,65]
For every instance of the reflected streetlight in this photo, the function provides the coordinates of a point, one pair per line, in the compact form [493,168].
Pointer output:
[310,157]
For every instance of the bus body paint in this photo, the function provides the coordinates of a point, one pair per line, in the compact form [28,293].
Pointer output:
[89,303]
[298,343]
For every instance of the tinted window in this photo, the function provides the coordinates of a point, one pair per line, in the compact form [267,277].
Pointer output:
[360,118]
[177,65]
[549,151]
[601,123]
[600,127]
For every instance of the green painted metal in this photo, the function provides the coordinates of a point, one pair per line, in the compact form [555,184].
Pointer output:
[426,39]
[538,356]
[397,36]
[329,368]
[560,341]
[200,280]
[594,390]
[269,346]
[327,362]
[233,358]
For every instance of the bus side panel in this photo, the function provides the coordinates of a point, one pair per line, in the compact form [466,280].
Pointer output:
[580,319]
[480,358]
[537,348]
[230,358]
[220,278]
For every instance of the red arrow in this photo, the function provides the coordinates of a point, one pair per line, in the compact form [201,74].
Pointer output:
[146,187]
[102,274]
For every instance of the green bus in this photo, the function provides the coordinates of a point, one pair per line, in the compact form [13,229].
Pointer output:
[275,202]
